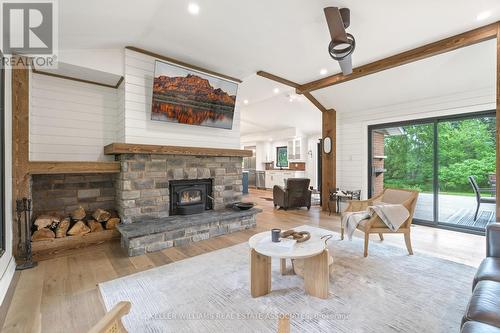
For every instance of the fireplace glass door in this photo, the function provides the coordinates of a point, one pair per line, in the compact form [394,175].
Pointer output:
[190,196]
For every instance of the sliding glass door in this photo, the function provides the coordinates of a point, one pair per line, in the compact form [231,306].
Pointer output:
[466,163]
[449,160]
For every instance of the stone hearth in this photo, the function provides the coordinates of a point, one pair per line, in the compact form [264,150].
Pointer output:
[159,234]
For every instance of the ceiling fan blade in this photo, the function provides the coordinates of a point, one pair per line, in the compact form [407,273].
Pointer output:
[335,24]
[346,65]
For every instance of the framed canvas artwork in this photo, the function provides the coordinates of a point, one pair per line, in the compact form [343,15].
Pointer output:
[186,96]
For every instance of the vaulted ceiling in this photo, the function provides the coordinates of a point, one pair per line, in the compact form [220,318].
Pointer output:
[288,38]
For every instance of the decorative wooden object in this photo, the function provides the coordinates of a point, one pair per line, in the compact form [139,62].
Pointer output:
[260,274]
[78,214]
[181,63]
[328,161]
[101,215]
[445,45]
[42,234]
[79,228]
[299,236]
[127,148]
[50,168]
[62,228]
[111,322]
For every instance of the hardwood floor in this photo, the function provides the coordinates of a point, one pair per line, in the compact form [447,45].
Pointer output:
[61,294]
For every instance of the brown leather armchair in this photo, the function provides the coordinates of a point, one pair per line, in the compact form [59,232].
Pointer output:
[296,194]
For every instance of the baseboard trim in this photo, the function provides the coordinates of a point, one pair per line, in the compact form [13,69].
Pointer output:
[14,275]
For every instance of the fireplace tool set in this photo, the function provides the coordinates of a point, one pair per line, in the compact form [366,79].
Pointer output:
[23,210]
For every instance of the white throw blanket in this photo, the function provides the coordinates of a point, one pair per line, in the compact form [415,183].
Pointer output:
[393,215]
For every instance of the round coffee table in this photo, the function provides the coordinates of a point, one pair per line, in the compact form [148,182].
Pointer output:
[313,252]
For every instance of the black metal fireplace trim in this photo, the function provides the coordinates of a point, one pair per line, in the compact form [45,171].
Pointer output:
[178,186]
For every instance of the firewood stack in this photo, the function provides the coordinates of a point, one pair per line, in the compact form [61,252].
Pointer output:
[78,223]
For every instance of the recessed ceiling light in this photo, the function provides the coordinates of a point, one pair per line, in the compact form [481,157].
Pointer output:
[193,9]
[483,15]
[276,90]
[323,71]
[245,101]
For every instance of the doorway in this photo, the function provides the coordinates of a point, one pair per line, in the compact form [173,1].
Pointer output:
[449,160]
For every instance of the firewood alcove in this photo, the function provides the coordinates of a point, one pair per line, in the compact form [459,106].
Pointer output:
[71,210]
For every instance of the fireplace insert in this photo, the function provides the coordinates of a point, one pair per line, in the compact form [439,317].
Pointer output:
[190,196]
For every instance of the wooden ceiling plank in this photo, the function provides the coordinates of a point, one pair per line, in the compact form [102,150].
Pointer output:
[445,45]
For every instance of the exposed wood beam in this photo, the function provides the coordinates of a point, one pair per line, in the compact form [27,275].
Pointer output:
[181,63]
[278,79]
[445,45]
[293,85]
[498,124]
[328,161]
[65,77]
[315,101]
[20,143]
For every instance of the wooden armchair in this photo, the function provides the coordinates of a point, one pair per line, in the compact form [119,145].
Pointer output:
[111,322]
[375,225]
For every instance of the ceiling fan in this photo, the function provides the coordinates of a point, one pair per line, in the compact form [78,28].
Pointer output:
[343,44]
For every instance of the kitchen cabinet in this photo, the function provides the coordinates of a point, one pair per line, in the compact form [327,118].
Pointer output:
[277,177]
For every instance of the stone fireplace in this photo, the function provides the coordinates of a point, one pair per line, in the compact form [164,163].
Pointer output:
[143,185]
[169,196]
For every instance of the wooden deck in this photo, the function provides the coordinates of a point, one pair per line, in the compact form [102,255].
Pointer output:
[63,291]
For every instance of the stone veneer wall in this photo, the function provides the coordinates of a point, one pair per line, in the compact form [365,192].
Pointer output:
[142,187]
[62,194]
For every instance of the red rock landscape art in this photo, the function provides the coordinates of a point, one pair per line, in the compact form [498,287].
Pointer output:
[188,97]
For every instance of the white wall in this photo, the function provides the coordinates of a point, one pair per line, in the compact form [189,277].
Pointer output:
[69,120]
[352,129]
[7,262]
[312,160]
[139,128]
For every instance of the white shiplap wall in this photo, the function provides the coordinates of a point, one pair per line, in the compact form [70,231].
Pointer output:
[352,129]
[69,120]
[140,129]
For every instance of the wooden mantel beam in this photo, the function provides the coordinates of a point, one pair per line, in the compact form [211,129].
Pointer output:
[445,45]
[293,85]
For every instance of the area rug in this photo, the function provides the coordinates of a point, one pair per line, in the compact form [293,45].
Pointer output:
[389,291]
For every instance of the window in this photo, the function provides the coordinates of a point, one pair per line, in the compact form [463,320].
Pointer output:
[450,160]
[282,157]
[2,157]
